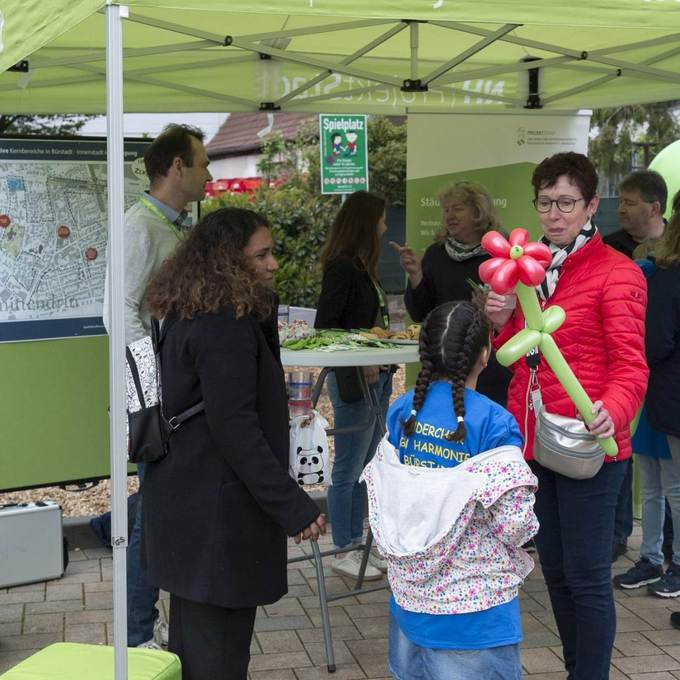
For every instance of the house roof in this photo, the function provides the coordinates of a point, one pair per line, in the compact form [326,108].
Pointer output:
[239,133]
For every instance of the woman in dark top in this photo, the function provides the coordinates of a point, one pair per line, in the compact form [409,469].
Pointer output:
[442,275]
[351,297]
[218,507]
[662,343]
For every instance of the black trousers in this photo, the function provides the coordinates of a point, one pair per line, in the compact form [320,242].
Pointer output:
[213,643]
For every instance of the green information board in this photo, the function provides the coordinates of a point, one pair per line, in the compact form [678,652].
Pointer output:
[344,153]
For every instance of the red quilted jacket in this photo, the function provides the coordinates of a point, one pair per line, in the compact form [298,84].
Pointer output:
[604,295]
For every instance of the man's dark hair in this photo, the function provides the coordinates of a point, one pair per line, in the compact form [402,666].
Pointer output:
[174,141]
[650,184]
[575,166]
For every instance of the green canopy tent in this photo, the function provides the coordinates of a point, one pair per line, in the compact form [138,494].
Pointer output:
[382,56]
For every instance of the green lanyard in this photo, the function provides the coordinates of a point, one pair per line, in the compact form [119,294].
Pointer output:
[382,303]
[155,211]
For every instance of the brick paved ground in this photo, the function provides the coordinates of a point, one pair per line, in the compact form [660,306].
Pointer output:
[288,642]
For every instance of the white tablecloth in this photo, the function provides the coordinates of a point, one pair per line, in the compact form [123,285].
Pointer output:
[405,354]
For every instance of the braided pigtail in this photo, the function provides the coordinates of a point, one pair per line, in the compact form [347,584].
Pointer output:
[422,381]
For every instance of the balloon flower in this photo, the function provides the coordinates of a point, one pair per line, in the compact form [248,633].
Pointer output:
[516,264]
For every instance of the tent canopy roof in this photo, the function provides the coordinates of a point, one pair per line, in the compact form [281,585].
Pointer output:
[383,56]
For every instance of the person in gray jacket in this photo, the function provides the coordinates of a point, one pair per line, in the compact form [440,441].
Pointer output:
[177,165]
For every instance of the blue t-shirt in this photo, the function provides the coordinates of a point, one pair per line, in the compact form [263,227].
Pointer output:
[488,425]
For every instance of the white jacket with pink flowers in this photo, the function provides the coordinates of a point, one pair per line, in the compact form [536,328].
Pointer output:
[452,537]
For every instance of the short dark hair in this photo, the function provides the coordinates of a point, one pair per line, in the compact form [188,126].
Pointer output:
[174,141]
[650,184]
[576,166]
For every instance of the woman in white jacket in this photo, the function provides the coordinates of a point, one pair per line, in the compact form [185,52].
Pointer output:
[450,504]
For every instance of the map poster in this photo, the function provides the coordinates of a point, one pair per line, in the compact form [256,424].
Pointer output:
[344,153]
[53,233]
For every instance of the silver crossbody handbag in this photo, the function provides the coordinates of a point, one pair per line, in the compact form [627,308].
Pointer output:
[564,444]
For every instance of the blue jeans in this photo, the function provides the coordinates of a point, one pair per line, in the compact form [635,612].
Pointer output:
[623,523]
[574,545]
[141,597]
[347,499]
[659,477]
[408,661]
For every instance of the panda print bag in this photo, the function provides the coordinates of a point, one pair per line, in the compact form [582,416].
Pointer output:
[308,458]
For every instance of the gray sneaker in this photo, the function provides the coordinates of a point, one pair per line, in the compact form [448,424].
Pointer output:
[642,574]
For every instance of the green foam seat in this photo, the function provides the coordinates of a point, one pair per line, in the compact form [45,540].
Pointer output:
[72,661]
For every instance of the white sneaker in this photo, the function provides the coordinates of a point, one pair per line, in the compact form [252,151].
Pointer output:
[375,559]
[160,636]
[350,564]
[160,633]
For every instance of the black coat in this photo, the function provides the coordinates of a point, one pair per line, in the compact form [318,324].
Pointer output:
[348,297]
[218,507]
[662,341]
[622,241]
[445,280]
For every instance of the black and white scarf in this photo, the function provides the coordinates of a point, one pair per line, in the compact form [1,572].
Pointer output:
[459,252]
[559,255]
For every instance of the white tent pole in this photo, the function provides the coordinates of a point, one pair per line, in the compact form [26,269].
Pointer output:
[116,263]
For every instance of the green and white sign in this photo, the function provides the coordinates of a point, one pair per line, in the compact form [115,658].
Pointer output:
[344,153]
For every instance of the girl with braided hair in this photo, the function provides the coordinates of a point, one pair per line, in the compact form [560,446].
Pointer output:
[450,505]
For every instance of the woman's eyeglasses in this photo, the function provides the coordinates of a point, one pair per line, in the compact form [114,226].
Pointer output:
[564,205]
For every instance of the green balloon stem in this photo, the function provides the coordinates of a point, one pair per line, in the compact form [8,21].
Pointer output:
[528,300]
[573,387]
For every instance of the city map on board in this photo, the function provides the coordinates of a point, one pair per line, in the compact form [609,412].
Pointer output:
[53,232]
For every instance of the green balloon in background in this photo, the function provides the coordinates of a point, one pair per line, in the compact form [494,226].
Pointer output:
[667,164]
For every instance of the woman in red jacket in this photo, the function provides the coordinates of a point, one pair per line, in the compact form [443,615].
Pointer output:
[604,296]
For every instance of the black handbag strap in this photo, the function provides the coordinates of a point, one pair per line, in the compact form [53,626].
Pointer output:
[177,420]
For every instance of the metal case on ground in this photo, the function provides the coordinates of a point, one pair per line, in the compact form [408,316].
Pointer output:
[31,543]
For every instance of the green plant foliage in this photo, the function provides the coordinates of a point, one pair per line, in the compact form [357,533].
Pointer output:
[299,223]
[291,200]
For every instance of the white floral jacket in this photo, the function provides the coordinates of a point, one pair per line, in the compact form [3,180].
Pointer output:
[452,537]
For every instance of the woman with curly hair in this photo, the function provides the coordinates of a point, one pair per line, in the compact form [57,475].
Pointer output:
[218,507]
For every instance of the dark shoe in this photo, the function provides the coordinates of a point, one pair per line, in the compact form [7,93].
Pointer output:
[619,550]
[675,620]
[642,574]
[669,584]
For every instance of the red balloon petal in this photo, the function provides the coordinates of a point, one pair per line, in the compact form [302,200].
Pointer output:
[505,278]
[519,237]
[495,244]
[540,252]
[488,268]
[531,272]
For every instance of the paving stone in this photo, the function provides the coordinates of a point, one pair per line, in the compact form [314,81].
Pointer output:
[11,612]
[64,592]
[13,628]
[98,587]
[363,611]
[84,567]
[283,623]
[266,662]
[338,633]
[651,676]
[663,637]
[44,623]
[547,676]
[350,671]
[96,553]
[647,664]
[634,644]
[672,650]
[630,624]
[373,627]
[336,615]
[317,652]
[279,641]
[102,600]
[21,597]
[541,660]
[282,674]
[29,641]
[25,588]
[54,606]
[89,633]
[89,616]
[81,577]
[285,607]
